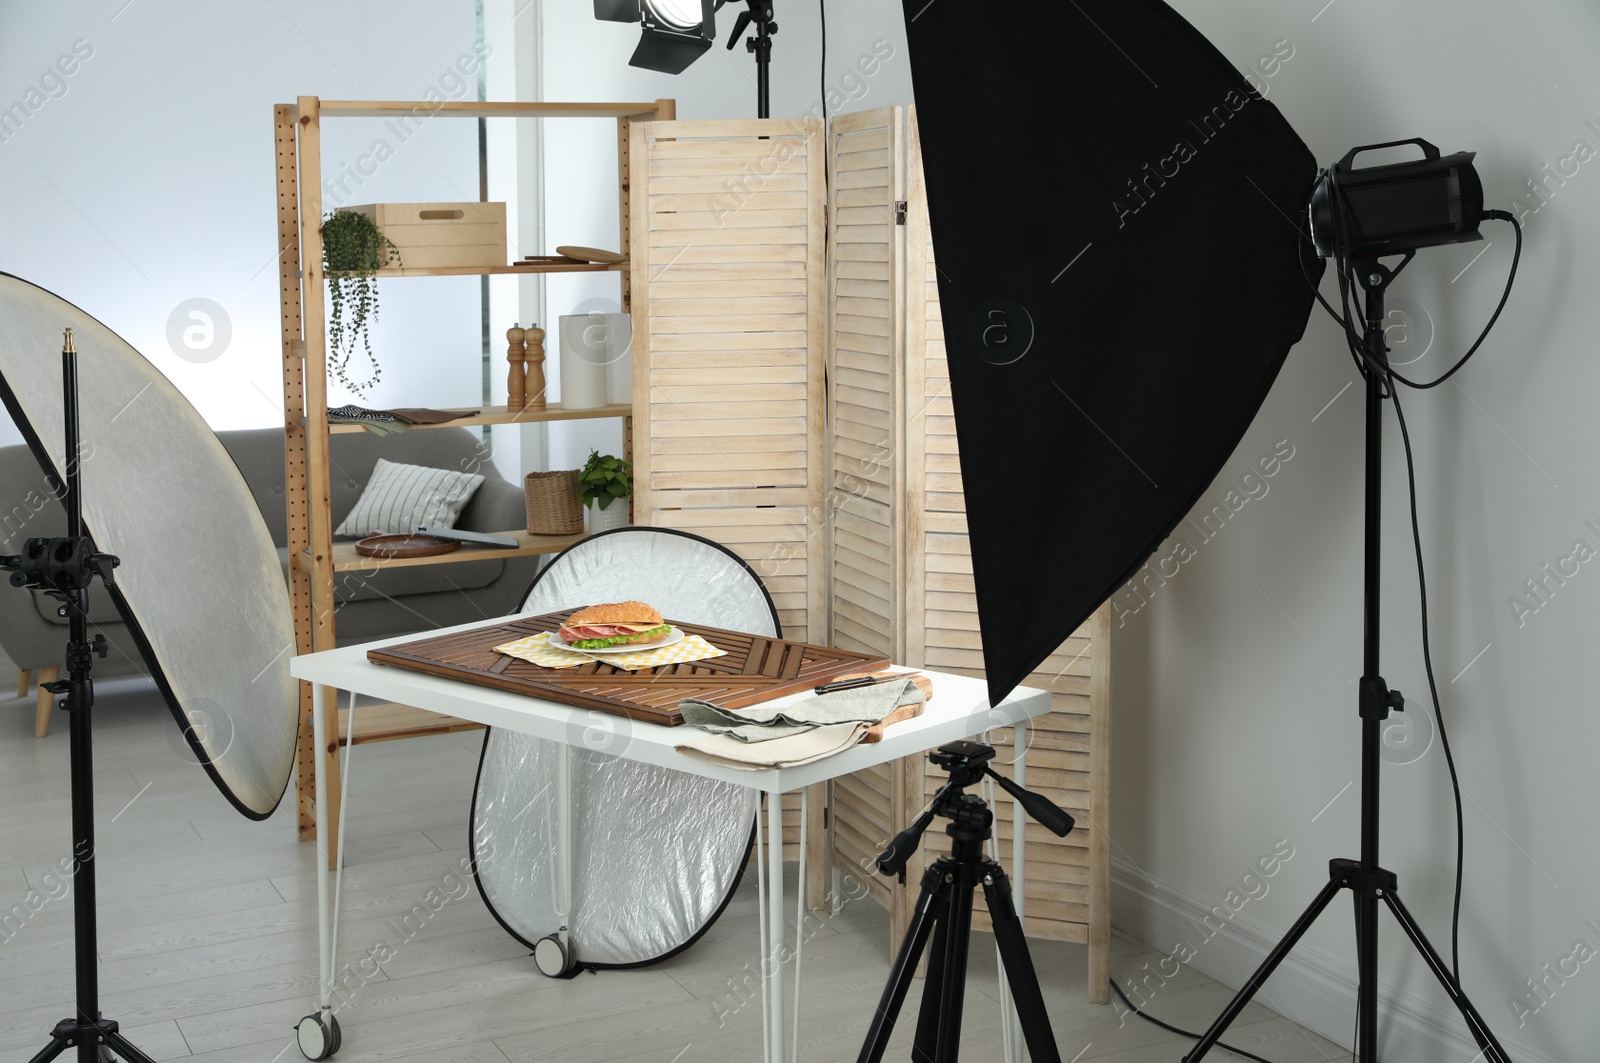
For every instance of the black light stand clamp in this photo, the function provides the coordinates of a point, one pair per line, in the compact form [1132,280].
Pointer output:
[944,912]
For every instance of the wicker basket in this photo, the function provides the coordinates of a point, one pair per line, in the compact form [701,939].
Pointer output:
[553,504]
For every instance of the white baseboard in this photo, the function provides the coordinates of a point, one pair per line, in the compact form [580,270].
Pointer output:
[1310,987]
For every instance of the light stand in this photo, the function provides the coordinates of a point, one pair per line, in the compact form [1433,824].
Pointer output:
[63,567]
[758,12]
[944,911]
[1367,879]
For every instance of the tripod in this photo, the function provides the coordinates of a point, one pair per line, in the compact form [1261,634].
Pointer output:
[63,567]
[944,911]
[1366,878]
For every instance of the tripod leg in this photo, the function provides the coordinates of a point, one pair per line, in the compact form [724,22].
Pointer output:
[56,1046]
[1492,1052]
[958,939]
[923,917]
[126,1051]
[1019,972]
[1262,973]
[926,1040]
[1366,975]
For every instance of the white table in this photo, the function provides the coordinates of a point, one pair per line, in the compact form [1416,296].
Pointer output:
[959,709]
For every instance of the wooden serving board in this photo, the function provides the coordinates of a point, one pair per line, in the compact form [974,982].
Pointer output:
[753,669]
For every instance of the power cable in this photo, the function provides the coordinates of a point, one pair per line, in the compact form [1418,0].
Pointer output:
[1180,1031]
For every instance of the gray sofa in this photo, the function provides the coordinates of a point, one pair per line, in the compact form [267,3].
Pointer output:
[388,601]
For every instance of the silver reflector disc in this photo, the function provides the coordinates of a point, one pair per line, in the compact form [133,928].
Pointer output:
[655,854]
[200,587]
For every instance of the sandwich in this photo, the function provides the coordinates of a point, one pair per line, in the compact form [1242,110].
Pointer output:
[614,624]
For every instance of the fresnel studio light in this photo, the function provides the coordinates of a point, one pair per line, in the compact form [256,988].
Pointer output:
[674,33]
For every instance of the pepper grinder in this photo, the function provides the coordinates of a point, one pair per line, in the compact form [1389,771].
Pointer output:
[517,379]
[534,357]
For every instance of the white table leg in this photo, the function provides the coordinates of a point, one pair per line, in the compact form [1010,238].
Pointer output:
[564,847]
[761,924]
[775,925]
[800,920]
[319,739]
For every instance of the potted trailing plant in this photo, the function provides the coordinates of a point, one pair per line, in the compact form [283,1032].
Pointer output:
[353,250]
[605,484]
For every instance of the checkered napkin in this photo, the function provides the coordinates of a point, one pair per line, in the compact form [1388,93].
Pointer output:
[537,649]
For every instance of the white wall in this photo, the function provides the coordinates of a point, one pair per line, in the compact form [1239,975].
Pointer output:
[1235,700]
[148,180]
[1235,705]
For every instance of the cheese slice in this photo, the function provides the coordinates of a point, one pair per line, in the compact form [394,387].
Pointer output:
[635,629]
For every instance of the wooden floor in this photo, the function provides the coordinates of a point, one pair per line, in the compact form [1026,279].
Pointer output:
[208,932]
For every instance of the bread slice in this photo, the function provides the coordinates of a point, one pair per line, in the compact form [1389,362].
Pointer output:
[616,613]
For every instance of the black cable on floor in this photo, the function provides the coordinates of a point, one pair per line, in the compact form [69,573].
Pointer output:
[1181,1032]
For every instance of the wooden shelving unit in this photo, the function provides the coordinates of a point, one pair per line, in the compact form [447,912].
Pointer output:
[315,557]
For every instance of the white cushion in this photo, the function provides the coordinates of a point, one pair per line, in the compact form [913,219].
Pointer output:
[400,497]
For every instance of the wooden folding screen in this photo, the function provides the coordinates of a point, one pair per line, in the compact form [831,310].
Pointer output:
[900,565]
[848,504]
[727,275]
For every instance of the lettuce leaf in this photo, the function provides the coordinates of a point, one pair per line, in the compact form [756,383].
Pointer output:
[619,640]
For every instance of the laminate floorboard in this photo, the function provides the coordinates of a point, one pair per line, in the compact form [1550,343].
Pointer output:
[208,933]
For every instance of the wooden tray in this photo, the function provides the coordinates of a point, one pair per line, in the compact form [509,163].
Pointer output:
[754,669]
[405,545]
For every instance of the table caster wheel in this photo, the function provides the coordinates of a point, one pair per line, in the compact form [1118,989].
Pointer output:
[552,958]
[318,1039]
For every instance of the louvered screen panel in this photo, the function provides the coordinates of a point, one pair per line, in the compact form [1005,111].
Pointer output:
[727,279]
[866,170]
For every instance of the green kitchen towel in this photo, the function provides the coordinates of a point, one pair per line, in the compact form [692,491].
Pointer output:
[762,723]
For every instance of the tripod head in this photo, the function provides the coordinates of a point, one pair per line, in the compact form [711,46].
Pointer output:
[971,819]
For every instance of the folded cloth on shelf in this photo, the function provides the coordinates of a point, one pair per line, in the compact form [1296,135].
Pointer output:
[763,723]
[388,422]
[374,421]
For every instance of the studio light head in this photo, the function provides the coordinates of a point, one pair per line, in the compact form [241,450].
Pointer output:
[673,33]
[1397,207]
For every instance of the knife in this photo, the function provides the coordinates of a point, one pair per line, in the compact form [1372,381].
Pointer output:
[860,681]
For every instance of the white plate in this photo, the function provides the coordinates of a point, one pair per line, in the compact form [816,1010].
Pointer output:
[673,636]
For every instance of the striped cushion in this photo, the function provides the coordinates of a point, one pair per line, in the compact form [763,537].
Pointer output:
[400,497]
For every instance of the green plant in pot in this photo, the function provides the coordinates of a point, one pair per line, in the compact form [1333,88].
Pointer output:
[604,484]
[353,250]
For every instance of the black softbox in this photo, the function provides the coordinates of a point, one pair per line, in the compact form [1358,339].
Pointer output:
[1116,219]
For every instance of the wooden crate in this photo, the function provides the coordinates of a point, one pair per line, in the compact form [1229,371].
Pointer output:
[430,235]
[900,567]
